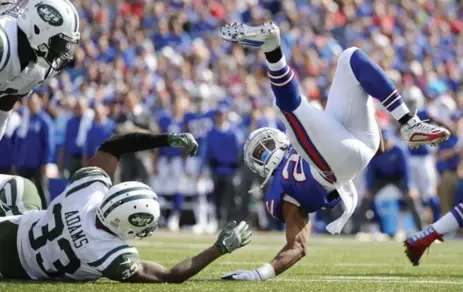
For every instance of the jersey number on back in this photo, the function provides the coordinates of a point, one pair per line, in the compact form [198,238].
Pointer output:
[297,172]
[49,235]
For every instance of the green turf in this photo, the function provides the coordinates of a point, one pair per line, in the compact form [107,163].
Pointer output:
[332,264]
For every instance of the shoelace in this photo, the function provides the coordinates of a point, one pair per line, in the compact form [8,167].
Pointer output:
[425,126]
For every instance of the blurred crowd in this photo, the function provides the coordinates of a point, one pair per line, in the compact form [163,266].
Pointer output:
[160,65]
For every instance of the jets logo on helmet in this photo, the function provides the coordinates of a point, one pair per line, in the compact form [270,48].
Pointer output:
[141,219]
[49,14]
[129,210]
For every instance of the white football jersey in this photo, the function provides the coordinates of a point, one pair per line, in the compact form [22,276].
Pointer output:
[63,242]
[13,81]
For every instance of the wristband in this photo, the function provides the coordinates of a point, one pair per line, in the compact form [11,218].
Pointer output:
[266,272]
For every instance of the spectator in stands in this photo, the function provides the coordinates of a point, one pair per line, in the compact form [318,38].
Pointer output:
[35,146]
[448,157]
[223,156]
[137,166]
[102,129]
[170,163]
[72,153]
[390,168]
[7,151]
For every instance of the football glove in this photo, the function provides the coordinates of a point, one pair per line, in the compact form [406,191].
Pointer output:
[242,275]
[233,237]
[185,140]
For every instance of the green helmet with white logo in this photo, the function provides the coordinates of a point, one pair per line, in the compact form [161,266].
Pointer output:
[130,210]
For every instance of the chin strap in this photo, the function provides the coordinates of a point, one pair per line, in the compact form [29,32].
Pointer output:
[253,190]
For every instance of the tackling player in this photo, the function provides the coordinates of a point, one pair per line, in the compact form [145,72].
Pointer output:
[417,244]
[34,46]
[83,234]
[314,164]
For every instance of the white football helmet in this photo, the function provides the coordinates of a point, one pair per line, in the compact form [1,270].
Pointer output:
[52,28]
[130,210]
[264,150]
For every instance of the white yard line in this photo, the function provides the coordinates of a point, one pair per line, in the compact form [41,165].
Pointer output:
[334,264]
[169,246]
[373,279]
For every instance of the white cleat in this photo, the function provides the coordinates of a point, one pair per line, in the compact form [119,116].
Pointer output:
[417,133]
[265,37]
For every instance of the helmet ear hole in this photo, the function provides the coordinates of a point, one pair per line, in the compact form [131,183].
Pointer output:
[36,29]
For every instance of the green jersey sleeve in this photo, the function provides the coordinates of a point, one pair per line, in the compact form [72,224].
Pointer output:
[123,267]
[94,172]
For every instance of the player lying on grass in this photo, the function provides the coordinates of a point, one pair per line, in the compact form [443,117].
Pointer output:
[83,234]
[417,244]
[314,164]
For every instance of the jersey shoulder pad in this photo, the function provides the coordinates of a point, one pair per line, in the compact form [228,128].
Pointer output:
[5,48]
[93,174]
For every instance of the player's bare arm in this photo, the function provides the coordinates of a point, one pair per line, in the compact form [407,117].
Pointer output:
[297,236]
[231,238]
[107,156]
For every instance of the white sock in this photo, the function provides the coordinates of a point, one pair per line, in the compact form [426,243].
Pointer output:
[447,224]
[278,65]
[3,121]
[400,111]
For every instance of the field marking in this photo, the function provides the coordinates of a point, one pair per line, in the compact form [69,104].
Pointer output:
[254,247]
[335,264]
[372,279]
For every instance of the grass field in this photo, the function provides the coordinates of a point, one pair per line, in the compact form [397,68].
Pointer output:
[332,264]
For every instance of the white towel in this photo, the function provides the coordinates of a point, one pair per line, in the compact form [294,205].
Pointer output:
[24,127]
[85,124]
[349,196]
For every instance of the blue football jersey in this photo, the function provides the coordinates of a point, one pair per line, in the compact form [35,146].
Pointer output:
[293,178]
[169,125]
[199,124]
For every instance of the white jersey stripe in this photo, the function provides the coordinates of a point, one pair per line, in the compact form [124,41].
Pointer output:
[390,95]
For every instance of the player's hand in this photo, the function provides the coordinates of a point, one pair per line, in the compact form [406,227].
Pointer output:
[233,237]
[242,275]
[185,140]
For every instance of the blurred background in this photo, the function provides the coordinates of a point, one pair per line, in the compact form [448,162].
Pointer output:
[160,65]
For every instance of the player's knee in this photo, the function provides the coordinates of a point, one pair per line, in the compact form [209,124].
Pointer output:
[345,56]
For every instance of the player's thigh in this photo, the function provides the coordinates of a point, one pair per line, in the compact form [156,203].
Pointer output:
[350,104]
[10,265]
[18,195]
[318,136]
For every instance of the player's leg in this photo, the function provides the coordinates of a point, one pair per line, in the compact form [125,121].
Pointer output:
[417,244]
[317,136]
[17,196]
[10,264]
[425,178]
[377,84]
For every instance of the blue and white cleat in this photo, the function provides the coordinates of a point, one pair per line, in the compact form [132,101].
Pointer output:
[417,244]
[265,37]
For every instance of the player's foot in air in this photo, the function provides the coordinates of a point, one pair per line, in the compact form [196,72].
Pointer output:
[265,37]
[417,133]
[416,245]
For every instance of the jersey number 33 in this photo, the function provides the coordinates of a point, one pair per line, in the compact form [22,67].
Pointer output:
[54,236]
